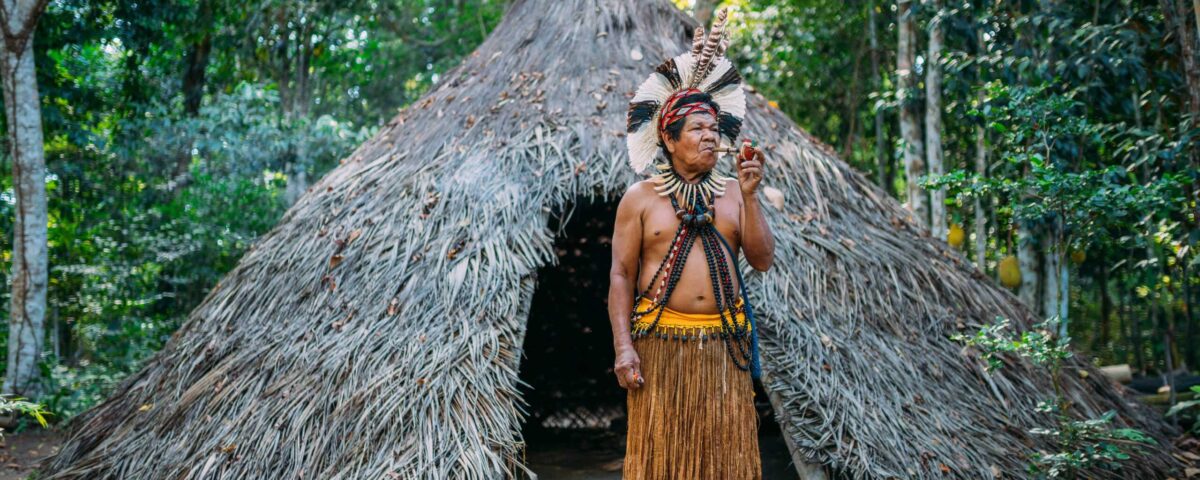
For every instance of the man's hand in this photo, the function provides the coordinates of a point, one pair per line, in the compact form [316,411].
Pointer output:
[749,171]
[628,368]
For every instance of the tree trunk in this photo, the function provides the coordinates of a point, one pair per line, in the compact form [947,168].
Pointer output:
[914,164]
[980,216]
[933,123]
[193,75]
[1135,331]
[1106,310]
[881,150]
[30,267]
[1064,291]
[1052,259]
[193,91]
[1189,333]
[853,100]
[1027,259]
[303,59]
[1176,16]
[1196,13]
[297,181]
[283,64]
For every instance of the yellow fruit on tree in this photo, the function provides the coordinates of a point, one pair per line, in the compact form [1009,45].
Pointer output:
[1010,272]
[955,235]
[1078,256]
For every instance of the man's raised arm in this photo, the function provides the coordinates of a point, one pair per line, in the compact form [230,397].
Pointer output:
[757,241]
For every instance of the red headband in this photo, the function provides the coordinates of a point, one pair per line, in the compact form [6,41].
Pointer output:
[684,110]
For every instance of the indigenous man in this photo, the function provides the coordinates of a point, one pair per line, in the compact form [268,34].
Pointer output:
[686,344]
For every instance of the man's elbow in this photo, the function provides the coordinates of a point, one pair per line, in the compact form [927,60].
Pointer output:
[619,274]
[763,263]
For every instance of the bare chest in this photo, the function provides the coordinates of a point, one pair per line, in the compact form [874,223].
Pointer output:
[660,223]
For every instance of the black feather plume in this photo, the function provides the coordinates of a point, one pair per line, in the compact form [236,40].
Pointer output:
[730,77]
[669,71]
[729,125]
[640,113]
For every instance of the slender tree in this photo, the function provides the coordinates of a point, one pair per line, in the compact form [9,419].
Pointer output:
[910,131]
[22,110]
[980,222]
[1029,264]
[933,121]
[192,86]
[1188,37]
[881,150]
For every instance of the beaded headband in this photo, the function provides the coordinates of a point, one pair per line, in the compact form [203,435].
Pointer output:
[684,110]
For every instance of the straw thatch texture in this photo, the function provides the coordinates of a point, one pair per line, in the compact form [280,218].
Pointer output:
[377,329]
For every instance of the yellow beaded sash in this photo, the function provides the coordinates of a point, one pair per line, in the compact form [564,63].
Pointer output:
[677,325]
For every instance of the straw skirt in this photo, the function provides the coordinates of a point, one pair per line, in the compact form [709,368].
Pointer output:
[694,418]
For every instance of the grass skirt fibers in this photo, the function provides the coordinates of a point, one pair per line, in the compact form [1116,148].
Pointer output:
[694,418]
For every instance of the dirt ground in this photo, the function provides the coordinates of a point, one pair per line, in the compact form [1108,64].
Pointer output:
[559,457]
[585,456]
[20,452]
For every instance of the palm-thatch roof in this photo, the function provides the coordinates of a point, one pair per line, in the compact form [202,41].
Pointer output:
[377,330]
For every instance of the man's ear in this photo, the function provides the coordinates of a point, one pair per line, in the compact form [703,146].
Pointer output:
[667,141]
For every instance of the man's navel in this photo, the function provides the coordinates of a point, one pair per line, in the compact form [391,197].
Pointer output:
[656,232]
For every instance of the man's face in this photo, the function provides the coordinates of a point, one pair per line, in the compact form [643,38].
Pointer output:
[697,142]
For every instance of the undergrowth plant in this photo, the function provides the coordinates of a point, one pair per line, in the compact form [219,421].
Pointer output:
[1080,444]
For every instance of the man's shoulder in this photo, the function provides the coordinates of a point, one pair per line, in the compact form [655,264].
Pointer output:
[640,189]
[733,189]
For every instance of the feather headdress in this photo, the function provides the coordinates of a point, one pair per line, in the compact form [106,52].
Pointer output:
[704,68]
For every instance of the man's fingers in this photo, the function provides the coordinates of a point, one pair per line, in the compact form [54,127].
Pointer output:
[630,378]
[635,379]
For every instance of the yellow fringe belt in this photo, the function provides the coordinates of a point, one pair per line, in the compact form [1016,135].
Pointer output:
[677,325]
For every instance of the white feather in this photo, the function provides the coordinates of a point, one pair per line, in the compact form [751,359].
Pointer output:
[684,64]
[732,101]
[643,147]
[655,87]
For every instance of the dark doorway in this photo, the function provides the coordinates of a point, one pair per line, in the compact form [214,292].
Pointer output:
[575,427]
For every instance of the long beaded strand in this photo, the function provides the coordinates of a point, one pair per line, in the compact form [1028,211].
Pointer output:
[699,215]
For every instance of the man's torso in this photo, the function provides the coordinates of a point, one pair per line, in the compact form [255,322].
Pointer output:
[694,291]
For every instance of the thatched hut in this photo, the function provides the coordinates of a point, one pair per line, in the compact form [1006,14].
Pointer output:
[377,331]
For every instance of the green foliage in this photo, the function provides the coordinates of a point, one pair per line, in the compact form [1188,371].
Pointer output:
[1190,408]
[151,202]
[1089,142]
[811,58]
[1086,444]
[21,406]
[1080,444]
[1043,135]
[1038,345]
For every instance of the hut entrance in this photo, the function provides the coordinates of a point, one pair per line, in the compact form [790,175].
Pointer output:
[575,427]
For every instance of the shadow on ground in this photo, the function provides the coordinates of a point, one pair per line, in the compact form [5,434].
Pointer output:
[556,454]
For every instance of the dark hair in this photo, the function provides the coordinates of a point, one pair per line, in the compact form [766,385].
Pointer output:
[674,129]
